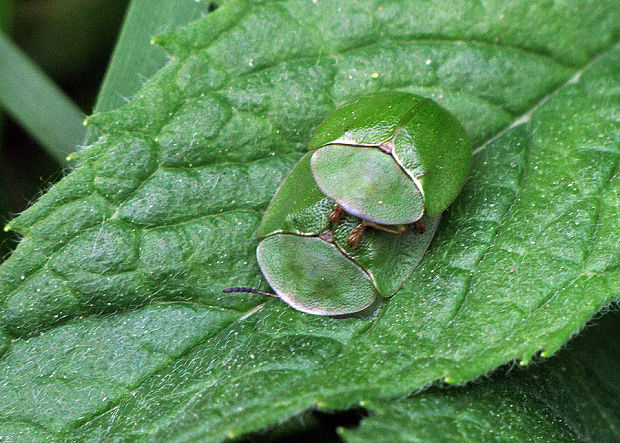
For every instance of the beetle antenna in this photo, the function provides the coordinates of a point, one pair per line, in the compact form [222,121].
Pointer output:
[253,291]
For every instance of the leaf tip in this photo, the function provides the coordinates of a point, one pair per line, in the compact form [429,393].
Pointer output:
[321,404]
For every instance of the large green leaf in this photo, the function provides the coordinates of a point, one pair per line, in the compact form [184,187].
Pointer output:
[25,90]
[575,396]
[113,321]
[135,58]
[479,414]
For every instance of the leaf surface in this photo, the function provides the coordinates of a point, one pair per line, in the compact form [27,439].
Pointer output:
[572,397]
[113,324]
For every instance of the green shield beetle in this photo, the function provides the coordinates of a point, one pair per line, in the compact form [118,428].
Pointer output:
[388,160]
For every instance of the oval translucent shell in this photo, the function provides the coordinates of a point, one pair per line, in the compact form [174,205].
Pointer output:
[367,183]
[313,276]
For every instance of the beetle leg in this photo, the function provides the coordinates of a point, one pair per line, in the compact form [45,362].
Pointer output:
[356,235]
[335,216]
[419,227]
[251,290]
[392,229]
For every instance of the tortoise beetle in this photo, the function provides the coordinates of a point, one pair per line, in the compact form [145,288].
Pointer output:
[388,160]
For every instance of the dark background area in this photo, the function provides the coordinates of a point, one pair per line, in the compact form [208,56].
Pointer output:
[71,41]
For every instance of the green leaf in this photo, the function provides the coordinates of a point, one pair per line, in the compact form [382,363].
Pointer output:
[6,15]
[573,397]
[135,57]
[37,103]
[472,415]
[113,321]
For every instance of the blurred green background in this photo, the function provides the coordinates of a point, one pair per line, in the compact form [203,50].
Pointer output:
[71,41]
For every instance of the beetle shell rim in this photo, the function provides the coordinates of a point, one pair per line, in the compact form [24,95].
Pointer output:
[289,300]
[360,212]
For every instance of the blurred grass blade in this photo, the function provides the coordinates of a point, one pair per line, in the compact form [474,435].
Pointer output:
[37,103]
[135,58]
